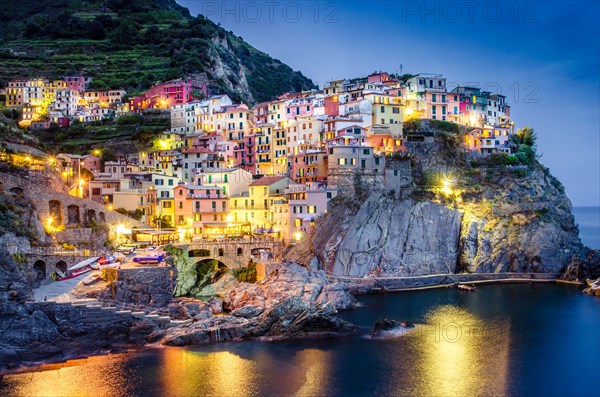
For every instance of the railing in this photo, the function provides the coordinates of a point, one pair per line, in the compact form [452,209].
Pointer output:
[57,251]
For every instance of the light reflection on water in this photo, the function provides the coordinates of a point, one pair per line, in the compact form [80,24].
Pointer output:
[95,376]
[465,344]
[455,355]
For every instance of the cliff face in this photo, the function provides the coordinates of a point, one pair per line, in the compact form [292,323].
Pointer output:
[494,219]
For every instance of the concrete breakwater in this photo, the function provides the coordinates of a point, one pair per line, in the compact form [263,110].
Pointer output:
[367,285]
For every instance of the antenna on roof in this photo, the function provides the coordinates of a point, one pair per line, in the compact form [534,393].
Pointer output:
[401,70]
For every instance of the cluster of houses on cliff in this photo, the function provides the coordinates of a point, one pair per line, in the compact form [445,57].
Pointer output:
[225,168]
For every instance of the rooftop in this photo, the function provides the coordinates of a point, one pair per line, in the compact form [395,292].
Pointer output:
[267,180]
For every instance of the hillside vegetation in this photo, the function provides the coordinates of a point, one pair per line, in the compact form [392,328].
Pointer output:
[132,44]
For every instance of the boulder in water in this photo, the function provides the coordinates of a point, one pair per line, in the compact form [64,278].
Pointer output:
[385,325]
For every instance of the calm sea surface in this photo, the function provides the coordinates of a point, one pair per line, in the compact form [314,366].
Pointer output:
[517,339]
[588,219]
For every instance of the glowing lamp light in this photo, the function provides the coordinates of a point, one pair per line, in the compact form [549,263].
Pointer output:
[49,221]
[229,218]
[96,152]
[447,187]
[298,236]
[163,144]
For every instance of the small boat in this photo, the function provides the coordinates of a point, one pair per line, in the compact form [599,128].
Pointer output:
[106,262]
[60,276]
[148,259]
[92,278]
[465,287]
[84,263]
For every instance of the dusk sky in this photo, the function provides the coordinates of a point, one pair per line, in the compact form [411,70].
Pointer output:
[544,56]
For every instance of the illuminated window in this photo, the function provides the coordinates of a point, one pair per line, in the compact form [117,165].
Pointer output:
[297,222]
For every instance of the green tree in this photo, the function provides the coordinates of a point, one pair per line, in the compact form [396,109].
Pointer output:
[526,136]
[161,221]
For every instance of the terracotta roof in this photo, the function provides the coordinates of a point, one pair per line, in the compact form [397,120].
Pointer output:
[267,180]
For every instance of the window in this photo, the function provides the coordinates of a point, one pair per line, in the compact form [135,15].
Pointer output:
[366,151]
[170,182]
[382,109]
[433,98]
[166,204]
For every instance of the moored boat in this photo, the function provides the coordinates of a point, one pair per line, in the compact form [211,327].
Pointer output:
[465,287]
[92,278]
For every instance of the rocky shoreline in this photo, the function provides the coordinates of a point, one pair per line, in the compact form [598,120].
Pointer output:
[293,302]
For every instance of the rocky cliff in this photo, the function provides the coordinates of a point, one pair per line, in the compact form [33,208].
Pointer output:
[449,215]
[133,44]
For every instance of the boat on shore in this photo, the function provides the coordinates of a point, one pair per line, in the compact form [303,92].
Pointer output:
[109,262]
[92,278]
[76,270]
[465,287]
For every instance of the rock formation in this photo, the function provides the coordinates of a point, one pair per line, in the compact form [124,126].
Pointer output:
[494,219]
[292,302]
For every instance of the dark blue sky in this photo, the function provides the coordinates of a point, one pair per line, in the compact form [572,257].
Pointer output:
[544,56]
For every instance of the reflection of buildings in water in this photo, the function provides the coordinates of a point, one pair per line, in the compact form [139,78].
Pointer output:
[317,366]
[459,354]
[96,376]
[185,373]
[222,373]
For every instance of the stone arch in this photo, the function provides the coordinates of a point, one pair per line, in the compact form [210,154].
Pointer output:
[55,211]
[16,190]
[209,271]
[221,252]
[62,266]
[91,216]
[73,214]
[102,216]
[240,251]
[39,267]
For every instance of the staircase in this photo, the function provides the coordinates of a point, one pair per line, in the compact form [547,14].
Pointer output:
[93,311]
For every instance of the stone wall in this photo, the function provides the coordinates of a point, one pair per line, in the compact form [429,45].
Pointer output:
[150,287]
[72,211]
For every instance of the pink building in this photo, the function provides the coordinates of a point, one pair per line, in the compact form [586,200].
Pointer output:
[300,107]
[308,166]
[332,105]
[261,113]
[75,83]
[200,207]
[381,77]
[169,93]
